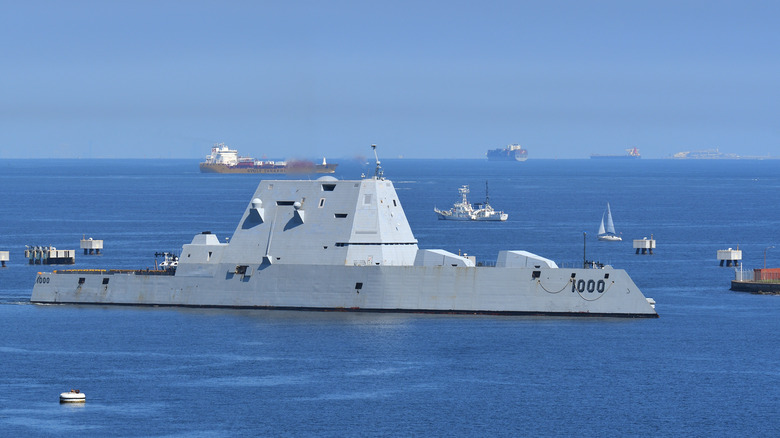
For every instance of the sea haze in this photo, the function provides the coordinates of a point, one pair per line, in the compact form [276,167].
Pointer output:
[708,366]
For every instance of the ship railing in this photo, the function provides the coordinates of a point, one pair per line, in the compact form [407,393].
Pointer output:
[567,265]
[169,271]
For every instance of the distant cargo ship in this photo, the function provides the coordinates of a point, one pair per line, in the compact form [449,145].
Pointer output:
[716,154]
[513,152]
[225,160]
[630,154]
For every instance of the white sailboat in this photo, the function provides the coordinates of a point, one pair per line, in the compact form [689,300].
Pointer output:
[607,228]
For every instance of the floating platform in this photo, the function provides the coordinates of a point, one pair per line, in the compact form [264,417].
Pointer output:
[49,255]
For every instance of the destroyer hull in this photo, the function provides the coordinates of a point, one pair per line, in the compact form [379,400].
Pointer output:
[222,168]
[440,289]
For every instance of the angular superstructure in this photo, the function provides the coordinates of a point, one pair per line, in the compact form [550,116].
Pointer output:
[346,245]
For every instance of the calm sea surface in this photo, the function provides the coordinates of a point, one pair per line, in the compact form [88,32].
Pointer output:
[709,366]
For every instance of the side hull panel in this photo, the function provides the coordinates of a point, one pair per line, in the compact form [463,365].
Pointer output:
[485,290]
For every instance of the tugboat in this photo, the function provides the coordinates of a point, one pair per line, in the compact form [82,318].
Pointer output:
[465,211]
[225,160]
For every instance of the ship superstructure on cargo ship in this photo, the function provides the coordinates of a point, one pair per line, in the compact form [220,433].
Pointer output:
[225,160]
[513,152]
[331,244]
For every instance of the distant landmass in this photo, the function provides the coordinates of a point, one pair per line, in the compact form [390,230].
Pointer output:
[716,154]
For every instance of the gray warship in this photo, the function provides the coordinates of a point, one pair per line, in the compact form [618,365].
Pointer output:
[331,244]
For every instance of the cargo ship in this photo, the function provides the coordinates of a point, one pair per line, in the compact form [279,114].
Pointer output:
[513,152]
[225,160]
[632,153]
[346,245]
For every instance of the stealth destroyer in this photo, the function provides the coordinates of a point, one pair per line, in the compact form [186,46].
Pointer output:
[331,244]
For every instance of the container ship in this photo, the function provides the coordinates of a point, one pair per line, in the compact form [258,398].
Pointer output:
[225,160]
[513,152]
[632,153]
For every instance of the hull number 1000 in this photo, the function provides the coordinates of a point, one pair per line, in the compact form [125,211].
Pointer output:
[588,286]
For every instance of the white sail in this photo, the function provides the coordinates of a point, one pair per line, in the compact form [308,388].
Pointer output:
[607,228]
[610,226]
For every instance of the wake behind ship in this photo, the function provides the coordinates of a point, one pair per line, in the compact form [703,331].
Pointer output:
[225,160]
[329,244]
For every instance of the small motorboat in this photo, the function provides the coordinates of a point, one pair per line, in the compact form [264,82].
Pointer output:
[74,396]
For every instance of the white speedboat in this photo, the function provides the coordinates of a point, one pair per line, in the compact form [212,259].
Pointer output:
[73,396]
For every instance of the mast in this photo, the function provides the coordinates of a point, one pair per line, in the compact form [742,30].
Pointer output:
[378,173]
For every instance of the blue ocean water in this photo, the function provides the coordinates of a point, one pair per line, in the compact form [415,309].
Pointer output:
[709,366]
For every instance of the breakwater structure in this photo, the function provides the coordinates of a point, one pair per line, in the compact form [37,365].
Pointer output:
[49,255]
[757,281]
[91,246]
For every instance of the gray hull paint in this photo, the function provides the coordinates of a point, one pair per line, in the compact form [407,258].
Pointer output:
[403,289]
[346,245]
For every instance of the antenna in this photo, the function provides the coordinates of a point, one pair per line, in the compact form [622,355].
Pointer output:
[378,173]
[584,253]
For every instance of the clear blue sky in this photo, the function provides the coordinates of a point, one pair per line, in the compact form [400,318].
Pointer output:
[421,79]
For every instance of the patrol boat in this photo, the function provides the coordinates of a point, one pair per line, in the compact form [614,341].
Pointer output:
[465,211]
[331,244]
